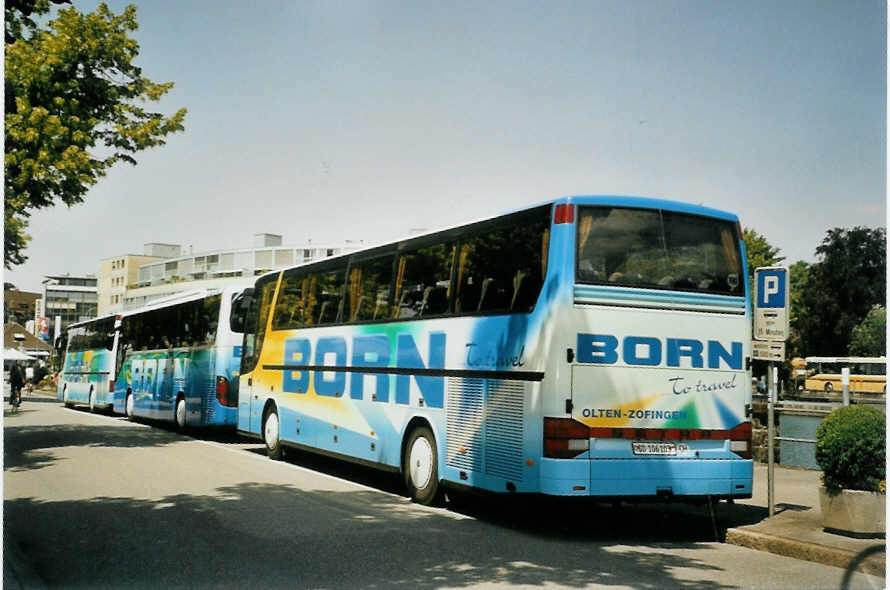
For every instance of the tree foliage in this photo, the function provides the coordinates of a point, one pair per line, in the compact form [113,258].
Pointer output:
[869,337]
[842,287]
[74,108]
[759,253]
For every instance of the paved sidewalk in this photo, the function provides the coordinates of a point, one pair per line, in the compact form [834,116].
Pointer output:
[796,528]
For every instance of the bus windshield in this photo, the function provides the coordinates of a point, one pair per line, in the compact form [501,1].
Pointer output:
[658,249]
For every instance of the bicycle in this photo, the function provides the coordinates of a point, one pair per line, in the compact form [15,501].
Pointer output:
[15,399]
[857,561]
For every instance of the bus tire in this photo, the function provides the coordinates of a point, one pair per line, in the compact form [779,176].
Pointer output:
[420,466]
[65,397]
[829,387]
[92,401]
[271,434]
[128,406]
[180,414]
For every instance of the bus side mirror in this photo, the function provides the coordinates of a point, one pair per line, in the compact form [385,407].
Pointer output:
[240,306]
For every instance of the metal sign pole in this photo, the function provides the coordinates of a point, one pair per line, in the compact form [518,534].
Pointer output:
[771,433]
[845,385]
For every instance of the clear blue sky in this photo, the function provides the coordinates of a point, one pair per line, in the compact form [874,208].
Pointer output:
[359,120]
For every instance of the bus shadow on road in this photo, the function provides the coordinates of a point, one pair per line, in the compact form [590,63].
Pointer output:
[560,518]
[274,536]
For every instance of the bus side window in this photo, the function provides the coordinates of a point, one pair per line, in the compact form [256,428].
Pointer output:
[255,326]
[330,295]
[502,269]
[423,282]
[288,312]
[369,287]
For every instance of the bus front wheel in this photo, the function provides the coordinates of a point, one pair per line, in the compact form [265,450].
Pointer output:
[829,387]
[271,435]
[68,404]
[180,415]
[421,467]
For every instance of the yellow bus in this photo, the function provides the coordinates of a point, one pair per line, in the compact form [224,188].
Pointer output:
[867,374]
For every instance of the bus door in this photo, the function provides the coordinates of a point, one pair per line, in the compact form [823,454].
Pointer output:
[242,318]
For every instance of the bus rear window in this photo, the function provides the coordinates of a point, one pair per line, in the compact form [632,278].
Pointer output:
[658,249]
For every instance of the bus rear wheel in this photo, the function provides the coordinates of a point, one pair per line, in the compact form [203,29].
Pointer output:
[92,401]
[128,406]
[829,387]
[68,404]
[420,466]
[271,429]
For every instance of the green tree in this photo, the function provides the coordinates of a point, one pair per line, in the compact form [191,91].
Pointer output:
[759,253]
[74,108]
[799,279]
[869,337]
[843,286]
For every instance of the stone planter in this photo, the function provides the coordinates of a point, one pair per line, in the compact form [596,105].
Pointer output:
[853,513]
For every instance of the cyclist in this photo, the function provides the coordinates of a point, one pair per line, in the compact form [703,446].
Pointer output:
[16,380]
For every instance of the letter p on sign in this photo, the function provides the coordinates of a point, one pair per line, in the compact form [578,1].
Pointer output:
[772,284]
[770,287]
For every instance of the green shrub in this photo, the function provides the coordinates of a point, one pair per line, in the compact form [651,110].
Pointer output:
[851,449]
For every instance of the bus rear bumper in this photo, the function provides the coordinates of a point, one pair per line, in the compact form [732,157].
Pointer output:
[652,477]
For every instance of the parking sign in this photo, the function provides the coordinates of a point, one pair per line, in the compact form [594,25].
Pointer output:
[771,304]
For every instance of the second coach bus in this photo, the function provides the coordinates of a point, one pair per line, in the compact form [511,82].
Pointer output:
[589,346]
[87,365]
[178,360]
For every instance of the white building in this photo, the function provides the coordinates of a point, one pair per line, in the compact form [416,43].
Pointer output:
[218,268]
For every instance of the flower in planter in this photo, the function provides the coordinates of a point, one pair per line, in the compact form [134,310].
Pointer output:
[851,449]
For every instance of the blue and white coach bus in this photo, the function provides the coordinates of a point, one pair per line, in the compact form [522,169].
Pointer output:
[590,346]
[87,374]
[178,360]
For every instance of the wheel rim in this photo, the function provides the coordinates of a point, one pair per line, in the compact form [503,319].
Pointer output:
[130,405]
[420,463]
[180,413]
[92,401]
[271,430]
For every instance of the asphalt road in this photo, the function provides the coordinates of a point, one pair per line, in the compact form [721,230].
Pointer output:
[95,501]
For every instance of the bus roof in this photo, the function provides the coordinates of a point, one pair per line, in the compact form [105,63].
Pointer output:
[605,200]
[183,297]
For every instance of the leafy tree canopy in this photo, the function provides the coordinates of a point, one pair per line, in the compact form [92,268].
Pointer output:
[74,108]
[869,337]
[760,251]
[849,279]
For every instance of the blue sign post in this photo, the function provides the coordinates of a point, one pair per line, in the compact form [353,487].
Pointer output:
[771,329]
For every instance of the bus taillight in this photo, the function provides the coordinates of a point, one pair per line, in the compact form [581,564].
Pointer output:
[565,438]
[222,392]
[563,214]
[111,386]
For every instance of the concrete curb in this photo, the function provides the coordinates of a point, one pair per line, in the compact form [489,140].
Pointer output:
[34,398]
[802,550]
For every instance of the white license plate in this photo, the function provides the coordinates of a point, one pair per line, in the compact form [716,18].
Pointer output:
[652,448]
